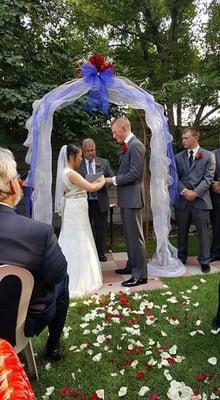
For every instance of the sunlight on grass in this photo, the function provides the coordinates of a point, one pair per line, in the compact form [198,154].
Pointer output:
[137,341]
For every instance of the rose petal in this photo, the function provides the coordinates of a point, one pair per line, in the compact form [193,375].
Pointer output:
[212,360]
[122,391]
[143,391]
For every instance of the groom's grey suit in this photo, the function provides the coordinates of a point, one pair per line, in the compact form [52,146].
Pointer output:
[198,178]
[130,192]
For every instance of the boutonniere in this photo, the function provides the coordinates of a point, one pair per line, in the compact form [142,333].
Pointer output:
[199,155]
[123,147]
[97,164]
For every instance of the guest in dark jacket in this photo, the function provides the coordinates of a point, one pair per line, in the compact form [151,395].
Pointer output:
[98,202]
[33,245]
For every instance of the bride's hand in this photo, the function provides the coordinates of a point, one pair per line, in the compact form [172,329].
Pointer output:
[100,182]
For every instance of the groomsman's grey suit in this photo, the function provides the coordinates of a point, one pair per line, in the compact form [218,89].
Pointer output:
[197,178]
[215,213]
[130,191]
[98,204]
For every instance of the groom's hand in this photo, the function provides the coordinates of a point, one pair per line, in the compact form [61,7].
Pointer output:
[108,180]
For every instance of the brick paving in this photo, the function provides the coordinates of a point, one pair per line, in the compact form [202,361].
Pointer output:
[112,281]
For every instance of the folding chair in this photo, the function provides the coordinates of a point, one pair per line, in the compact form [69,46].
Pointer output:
[18,281]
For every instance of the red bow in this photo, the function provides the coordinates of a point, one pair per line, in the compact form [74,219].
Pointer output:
[123,147]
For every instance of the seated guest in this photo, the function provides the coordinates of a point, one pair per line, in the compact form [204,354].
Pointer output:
[32,245]
[216,319]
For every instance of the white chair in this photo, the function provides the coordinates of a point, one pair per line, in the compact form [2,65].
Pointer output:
[27,284]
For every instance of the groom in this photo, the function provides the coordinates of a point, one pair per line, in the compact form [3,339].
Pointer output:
[130,190]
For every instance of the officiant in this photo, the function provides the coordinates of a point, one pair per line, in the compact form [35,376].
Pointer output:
[98,201]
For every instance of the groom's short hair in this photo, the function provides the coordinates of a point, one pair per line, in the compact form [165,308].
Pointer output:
[8,171]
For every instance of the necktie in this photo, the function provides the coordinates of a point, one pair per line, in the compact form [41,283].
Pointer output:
[90,167]
[190,158]
[92,195]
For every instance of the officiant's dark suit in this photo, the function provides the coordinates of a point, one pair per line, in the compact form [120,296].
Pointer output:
[215,213]
[195,169]
[98,201]
[130,192]
[33,245]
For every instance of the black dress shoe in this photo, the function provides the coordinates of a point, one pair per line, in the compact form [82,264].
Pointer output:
[103,258]
[134,282]
[205,268]
[215,323]
[54,354]
[123,271]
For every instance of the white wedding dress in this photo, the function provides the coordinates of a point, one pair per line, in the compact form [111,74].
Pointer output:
[77,242]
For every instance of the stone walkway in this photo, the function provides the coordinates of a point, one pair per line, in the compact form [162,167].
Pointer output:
[112,281]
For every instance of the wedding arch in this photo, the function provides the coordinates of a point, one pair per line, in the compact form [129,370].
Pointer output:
[103,87]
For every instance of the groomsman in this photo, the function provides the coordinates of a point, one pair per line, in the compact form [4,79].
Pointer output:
[195,168]
[98,201]
[215,213]
[130,189]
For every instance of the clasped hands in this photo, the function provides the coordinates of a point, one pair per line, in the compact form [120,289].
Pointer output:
[108,180]
[189,194]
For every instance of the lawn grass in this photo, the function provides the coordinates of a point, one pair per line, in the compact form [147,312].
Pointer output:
[89,319]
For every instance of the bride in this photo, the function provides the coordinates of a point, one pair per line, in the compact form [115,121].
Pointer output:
[76,238]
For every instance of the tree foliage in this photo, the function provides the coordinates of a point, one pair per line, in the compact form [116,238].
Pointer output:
[155,43]
[158,42]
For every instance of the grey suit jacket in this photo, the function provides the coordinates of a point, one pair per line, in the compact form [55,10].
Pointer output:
[130,175]
[102,165]
[198,178]
[216,196]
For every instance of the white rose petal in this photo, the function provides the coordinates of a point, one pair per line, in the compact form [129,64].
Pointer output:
[163,333]
[195,287]
[49,390]
[167,375]
[213,396]
[100,393]
[73,376]
[173,349]
[97,357]
[215,332]
[84,325]
[122,391]
[172,300]
[134,363]
[101,339]
[212,360]
[122,371]
[143,391]
[48,366]
[196,304]
[72,305]
[198,322]
[202,280]
[193,333]
[114,374]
